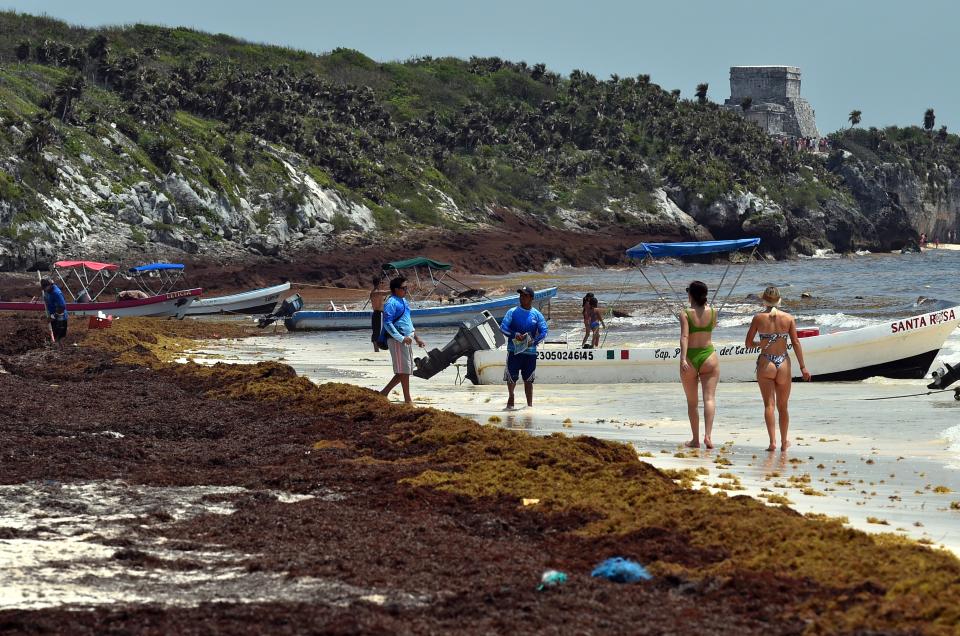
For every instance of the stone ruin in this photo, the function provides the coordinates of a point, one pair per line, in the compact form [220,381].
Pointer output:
[777,106]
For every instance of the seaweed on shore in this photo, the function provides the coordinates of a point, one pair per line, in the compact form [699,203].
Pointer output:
[594,498]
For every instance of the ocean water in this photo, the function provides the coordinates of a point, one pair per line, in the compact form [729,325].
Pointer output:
[890,465]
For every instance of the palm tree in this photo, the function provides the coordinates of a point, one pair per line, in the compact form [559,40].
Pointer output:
[701,92]
[98,47]
[854,117]
[42,133]
[68,89]
[23,51]
[929,119]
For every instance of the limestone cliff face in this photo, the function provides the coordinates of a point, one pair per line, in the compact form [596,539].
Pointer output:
[833,224]
[929,202]
[103,204]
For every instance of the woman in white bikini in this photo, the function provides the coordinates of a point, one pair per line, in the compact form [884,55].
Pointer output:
[774,374]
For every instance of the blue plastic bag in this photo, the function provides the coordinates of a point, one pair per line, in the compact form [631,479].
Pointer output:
[620,570]
[551,578]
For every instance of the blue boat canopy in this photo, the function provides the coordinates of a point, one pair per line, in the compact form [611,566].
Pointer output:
[155,267]
[643,250]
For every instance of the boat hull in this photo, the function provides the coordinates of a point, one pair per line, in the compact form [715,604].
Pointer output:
[174,303]
[257,301]
[439,316]
[897,349]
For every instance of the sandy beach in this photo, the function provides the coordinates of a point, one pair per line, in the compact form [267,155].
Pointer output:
[183,497]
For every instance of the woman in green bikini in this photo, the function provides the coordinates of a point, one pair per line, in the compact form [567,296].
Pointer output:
[699,364]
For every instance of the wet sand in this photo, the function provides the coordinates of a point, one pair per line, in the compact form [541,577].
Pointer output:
[182,498]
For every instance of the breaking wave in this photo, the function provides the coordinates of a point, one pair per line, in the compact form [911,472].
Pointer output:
[843,321]
[952,435]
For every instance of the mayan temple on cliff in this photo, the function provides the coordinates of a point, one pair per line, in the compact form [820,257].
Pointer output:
[775,102]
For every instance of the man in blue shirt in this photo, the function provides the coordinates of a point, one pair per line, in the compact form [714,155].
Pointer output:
[525,328]
[56,306]
[400,335]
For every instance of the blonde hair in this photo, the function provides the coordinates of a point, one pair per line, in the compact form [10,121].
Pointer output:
[771,298]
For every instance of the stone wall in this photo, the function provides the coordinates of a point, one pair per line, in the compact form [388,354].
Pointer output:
[768,86]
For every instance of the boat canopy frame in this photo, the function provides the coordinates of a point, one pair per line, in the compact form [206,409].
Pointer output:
[648,252]
[435,277]
[91,276]
[157,278]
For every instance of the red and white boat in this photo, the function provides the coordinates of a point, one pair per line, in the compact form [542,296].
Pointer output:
[91,280]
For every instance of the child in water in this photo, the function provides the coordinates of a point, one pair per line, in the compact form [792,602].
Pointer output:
[596,321]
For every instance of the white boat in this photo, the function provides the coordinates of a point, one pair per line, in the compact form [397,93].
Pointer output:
[255,301]
[431,316]
[158,278]
[897,349]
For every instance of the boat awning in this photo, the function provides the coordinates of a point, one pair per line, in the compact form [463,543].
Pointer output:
[419,261]
[155,267]
[655,250]
[91,265]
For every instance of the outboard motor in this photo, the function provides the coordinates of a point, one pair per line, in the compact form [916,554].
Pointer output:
[943,378]
[478,334]
[287,308]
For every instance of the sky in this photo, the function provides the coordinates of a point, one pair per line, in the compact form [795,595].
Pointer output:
[889,59]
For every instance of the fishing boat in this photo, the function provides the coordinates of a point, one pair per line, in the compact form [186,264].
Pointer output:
[90,280]
[156,278]
[902,349]
[423,316]
[430,280]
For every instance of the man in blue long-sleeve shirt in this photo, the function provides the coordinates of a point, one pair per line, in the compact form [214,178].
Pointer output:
[400,335]
[56,306]
[525,328]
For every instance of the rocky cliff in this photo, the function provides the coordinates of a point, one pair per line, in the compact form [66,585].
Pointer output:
[147,142]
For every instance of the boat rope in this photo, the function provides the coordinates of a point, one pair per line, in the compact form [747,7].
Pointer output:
[666,303]
[734,286]
[603,338]
[895,397]
[716,290]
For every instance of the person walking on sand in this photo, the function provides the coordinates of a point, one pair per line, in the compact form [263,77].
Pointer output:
[774,373]
[699,364]
[596,321]
[525,328]
[587,313]
[377,299]
[400,335]
[56,306]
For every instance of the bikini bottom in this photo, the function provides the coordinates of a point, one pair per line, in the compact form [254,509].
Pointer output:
[698,355]
[776,358]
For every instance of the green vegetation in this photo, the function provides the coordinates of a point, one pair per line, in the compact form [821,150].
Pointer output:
[482,130]
[398,137]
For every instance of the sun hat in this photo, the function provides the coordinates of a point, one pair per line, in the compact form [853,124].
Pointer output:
[771,296]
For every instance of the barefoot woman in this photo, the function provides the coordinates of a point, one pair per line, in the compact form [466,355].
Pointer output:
[774,373]
[699,364]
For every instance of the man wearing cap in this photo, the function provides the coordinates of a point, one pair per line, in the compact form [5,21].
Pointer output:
[56,306]
[400,335]
[525,328]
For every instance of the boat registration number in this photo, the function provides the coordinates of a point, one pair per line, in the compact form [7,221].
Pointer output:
[565,355]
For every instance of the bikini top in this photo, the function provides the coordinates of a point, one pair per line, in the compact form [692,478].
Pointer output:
[773,337]
[706,329]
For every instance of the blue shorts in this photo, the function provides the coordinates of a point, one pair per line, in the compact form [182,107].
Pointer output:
[520,364]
